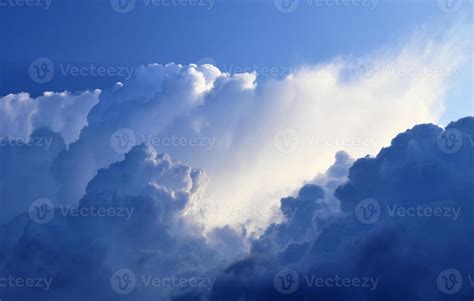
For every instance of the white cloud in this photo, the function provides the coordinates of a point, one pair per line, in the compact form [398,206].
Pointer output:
[256,142]
[64,113]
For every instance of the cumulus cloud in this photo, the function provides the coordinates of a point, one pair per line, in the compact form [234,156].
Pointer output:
[396,250]
[257,141]
[202,116]
[81,251]
[63,113]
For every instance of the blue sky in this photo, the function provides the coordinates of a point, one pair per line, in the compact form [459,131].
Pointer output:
[232,33]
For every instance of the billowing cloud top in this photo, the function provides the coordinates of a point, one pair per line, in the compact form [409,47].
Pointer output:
[97,207]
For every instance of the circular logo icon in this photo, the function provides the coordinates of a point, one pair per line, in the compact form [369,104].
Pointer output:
[206,61]
[450,141]
[41,211]
[123,6]
[123,281]
[286,6]
[450,6]
[41,70]
[286,281]
[365,70]
[449,281]
[368,211]
[286,141]
[123,140]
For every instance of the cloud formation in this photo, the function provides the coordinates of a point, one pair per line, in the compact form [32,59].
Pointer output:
[201,116]
[431,191]
[113,216]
